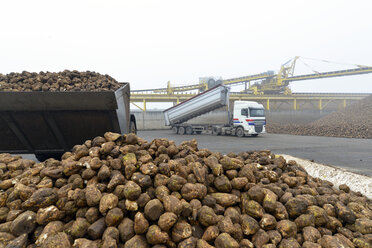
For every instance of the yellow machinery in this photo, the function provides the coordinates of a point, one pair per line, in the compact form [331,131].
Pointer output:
[279,83]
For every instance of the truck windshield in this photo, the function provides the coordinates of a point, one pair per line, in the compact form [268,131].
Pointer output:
[255,112]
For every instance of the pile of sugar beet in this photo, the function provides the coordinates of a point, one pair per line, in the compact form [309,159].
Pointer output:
[57,81]
[355,121]
[121,191]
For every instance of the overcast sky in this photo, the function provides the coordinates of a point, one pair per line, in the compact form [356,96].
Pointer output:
[150,42]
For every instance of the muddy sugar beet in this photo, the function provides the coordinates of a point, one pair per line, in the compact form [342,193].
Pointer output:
[121,191]
[57,81]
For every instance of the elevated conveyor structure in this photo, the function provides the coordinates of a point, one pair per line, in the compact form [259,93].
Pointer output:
[350,72]
[267,88]
[294,101]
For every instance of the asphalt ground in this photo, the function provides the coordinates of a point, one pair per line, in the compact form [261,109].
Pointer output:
[351,154]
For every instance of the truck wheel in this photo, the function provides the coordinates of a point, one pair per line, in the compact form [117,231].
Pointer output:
[132,127]
[240,132]
[44,156]
[181,130]
[216,131]
[175,130]
[132,124]
[189,130]
[41,157]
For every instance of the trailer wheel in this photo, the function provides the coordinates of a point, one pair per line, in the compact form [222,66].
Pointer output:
[215,131]
[175,130]
[240,132]
[189,130]
[181,130]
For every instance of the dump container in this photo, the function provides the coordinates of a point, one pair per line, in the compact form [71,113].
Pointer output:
[202,103]
[51,123]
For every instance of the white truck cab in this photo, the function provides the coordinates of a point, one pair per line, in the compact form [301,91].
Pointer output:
[249,118]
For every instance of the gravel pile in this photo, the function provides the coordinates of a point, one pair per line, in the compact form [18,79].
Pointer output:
[57,81]
[353,122]
[121,191]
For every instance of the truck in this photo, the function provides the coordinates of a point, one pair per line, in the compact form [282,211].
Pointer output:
[48,124]
[247,118]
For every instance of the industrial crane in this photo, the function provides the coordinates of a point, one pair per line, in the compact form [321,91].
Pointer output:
[279,83]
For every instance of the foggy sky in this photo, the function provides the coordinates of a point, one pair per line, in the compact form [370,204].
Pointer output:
[148,43]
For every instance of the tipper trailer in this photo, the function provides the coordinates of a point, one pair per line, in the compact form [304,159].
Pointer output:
[248,117]
[48,124]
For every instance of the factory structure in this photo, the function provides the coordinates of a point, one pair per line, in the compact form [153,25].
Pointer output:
[267,88]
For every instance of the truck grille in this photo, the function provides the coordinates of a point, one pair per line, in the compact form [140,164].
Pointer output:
[258,128]
[259,122]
